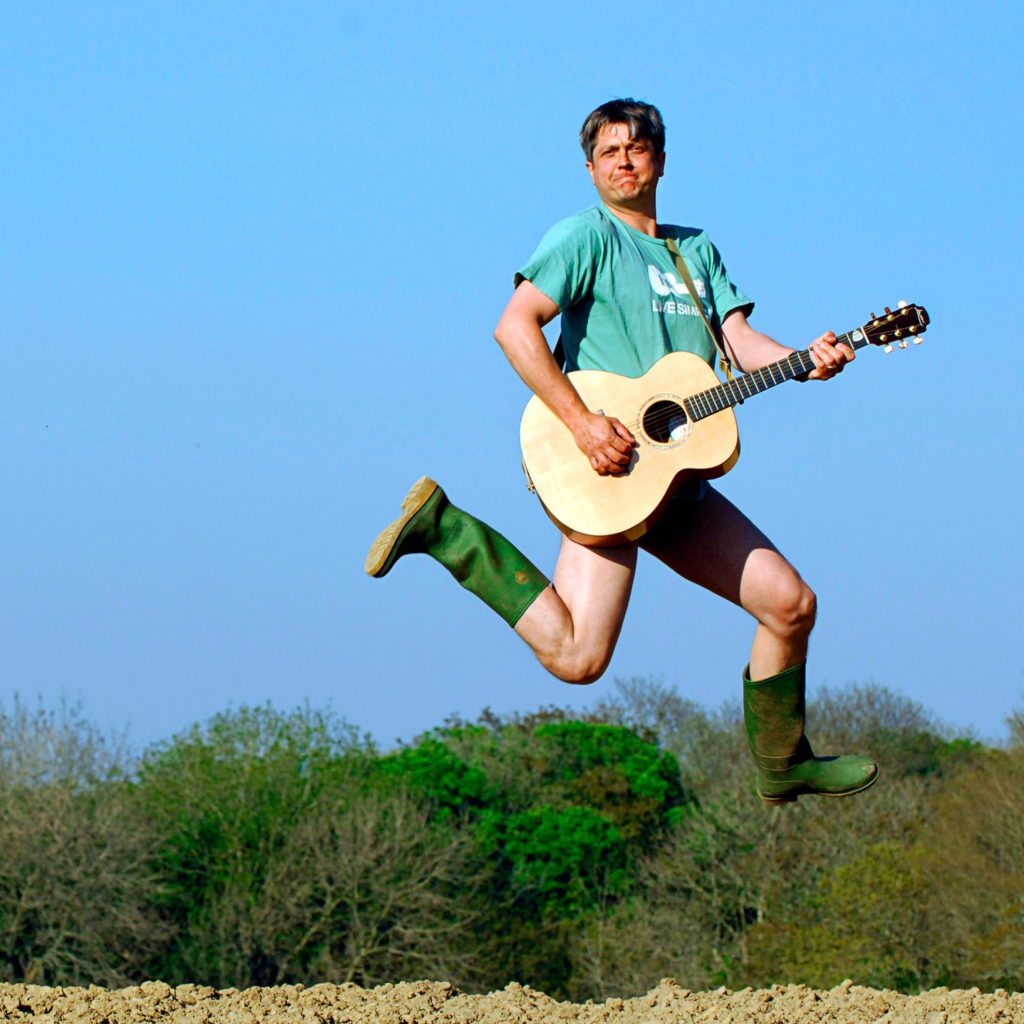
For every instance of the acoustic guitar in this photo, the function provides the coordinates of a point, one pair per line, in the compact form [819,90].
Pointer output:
[681,415]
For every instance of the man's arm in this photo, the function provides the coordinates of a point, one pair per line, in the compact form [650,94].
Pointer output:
[603,439]
[749,349]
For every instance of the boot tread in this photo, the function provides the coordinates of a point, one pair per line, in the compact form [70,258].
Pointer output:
[380,560]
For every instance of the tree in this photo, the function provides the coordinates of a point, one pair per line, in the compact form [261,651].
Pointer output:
[77,893]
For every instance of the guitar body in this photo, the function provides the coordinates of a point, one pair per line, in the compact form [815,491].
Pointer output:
[602,511]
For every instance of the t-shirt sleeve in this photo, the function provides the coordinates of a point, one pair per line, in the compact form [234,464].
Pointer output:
[726,295]
[564,264]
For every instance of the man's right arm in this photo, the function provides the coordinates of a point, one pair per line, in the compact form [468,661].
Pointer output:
[603,439]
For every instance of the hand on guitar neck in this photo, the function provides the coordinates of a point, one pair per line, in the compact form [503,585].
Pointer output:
[750,349]
[829,358]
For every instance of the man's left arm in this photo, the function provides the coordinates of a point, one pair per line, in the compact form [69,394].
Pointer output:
[749,349]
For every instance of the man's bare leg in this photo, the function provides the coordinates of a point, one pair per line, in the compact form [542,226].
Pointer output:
[713,544]
[717,547]
[573,626]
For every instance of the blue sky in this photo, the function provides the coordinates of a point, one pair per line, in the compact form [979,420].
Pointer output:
[251,256]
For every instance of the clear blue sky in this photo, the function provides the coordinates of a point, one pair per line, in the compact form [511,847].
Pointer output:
[252,255]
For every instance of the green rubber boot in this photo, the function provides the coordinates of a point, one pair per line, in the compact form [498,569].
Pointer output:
[773,712]
[483,561]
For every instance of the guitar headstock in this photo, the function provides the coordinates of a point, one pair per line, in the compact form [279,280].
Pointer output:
[907,322]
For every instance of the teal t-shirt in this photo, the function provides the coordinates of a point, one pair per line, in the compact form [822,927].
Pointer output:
[622,303]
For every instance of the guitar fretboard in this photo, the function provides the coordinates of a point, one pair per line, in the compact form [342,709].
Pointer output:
[735,392]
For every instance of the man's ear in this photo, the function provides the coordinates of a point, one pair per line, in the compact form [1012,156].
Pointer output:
[661,164]
[590,171]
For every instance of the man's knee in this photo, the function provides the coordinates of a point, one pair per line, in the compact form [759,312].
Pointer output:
[580,667]
[794,609]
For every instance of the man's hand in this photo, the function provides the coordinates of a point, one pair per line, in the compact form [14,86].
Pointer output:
[829,358]
[606,442]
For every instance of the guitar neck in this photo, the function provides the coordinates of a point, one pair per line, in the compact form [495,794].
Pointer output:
[735,392]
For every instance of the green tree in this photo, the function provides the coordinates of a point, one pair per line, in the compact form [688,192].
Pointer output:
[558,811]
[225,797]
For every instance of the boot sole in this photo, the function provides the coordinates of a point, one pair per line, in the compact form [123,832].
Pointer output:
[775,801]
[380,560]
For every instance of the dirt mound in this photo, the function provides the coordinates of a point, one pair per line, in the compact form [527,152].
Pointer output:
[440,1003]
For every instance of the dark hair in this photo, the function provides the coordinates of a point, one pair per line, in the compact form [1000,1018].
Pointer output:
[642,119]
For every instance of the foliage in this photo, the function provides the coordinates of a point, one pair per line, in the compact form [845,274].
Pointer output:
[557,811]
[225,797]
[587,855]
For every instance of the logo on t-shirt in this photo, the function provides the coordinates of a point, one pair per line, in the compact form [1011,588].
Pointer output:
[666,283]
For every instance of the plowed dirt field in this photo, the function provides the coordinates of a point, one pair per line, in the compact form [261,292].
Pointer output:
[440,1003]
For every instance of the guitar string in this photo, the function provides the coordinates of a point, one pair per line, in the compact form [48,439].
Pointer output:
[660,421]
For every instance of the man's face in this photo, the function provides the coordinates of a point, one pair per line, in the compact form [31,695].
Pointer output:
[625,171]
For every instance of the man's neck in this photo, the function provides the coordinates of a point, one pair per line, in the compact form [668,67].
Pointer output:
[645,221]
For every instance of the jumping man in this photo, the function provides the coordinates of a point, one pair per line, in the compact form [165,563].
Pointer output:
[610,273]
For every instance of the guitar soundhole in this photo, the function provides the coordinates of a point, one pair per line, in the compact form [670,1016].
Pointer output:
[665,422]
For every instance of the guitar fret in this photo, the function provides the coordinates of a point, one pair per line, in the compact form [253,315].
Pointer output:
[734,392]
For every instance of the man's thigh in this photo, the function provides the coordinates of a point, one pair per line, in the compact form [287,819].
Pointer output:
[581,616]
[713,544]
[595,584]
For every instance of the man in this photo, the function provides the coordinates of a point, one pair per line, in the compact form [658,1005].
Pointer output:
[606,271]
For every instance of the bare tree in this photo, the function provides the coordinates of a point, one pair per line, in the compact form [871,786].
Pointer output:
[77,895]
[367,890]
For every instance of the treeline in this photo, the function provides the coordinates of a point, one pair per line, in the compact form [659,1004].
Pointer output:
[585,854]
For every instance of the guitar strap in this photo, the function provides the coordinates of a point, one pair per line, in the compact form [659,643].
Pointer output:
[724,363]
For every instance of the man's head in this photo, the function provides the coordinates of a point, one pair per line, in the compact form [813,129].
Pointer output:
[624,142]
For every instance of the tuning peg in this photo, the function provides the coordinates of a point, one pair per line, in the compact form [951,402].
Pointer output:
[902,304]
[904,343]
[887,348]
[919,341]
[887,309]
[873,317]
